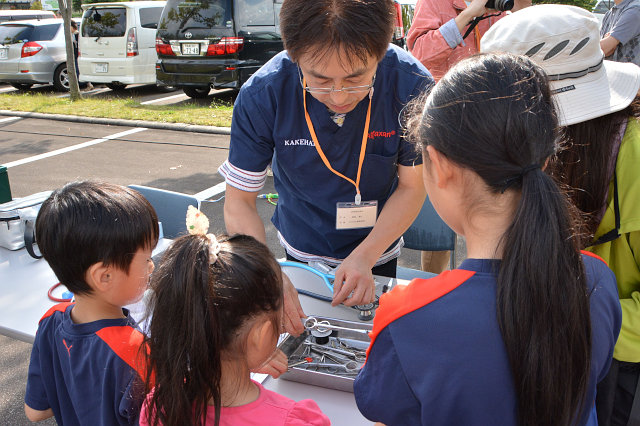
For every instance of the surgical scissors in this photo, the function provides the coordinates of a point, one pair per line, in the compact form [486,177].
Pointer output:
[312,323]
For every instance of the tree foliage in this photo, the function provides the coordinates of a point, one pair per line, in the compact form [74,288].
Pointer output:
[585,4]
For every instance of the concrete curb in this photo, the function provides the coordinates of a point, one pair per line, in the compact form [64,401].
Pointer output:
[121,122]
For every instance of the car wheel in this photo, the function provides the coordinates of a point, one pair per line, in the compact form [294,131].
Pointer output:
[61,78]
[116,87]
[196,92]
[22,86]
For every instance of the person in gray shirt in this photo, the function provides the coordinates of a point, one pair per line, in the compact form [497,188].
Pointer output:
[620,32]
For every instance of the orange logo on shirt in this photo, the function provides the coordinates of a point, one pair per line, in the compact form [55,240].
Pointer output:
[376,134]
[68,347]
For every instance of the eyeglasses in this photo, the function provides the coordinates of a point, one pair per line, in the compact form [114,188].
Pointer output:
[329,90]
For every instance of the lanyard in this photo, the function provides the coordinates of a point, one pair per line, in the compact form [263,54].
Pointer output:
[363,148]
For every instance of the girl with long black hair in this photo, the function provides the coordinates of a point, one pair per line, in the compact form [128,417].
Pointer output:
[216,315]
[523,330]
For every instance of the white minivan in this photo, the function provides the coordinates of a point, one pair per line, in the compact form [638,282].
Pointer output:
[117,43]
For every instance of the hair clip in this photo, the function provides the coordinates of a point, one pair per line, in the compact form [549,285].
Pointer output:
[198,224]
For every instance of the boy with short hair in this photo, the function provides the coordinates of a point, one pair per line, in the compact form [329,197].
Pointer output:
[97,238]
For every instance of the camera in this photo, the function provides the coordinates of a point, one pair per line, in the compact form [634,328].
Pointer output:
[501,5]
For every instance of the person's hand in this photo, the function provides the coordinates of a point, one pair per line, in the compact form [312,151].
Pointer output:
[276,365]
[476,8]
[353,275]
[292,310]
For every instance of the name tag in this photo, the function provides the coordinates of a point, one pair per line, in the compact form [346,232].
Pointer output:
[355,216]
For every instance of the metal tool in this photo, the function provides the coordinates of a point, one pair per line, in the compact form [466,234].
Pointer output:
[312,323]
[349,367]
[357,355]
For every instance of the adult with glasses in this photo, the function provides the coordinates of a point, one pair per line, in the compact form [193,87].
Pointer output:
[325,113]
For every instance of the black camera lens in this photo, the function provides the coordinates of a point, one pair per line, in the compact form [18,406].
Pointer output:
[501,5]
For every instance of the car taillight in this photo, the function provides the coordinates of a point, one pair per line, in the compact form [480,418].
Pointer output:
[163,48]
[399,31]
[132,43]
[226,46]
[30,48]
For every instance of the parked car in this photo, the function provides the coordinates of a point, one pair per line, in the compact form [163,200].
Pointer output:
[404,16]
[22,15]
[33,52]
[601,8]
[203,44]
[117,43]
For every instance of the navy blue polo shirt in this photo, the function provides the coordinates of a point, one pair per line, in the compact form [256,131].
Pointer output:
[445,363]
[85,372]
[269,127]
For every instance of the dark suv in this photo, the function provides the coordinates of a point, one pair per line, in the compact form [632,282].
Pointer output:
[203,44]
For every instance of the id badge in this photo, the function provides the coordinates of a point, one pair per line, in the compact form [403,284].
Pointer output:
[355,216]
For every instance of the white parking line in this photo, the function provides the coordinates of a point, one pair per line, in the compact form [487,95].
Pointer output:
[153,101]
[210,192]
[4,120]
[72,148]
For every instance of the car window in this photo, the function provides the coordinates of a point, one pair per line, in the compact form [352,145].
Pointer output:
[183,15]
[150,16]
[104,22]
[16,33]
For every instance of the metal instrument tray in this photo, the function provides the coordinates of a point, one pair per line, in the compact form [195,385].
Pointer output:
[297,348]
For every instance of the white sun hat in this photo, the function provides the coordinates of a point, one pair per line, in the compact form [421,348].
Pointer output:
[565,42]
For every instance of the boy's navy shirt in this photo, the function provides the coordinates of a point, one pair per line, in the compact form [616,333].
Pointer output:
[445,362]
[86,373]
[269,126]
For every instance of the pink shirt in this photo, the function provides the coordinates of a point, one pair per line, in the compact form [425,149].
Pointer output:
[427,43]
[270,409]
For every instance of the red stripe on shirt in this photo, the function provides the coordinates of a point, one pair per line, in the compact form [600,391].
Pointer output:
[60,307]
[404,299]
[588,253]
[125,341]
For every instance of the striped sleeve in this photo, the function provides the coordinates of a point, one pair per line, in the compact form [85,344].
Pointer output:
[243,180]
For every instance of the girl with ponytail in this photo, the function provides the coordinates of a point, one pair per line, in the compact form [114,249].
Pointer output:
[216,315]
[523,330]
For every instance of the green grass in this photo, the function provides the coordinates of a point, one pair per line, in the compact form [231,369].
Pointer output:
[216,114]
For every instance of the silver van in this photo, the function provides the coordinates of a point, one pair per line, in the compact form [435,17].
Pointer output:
[117,43]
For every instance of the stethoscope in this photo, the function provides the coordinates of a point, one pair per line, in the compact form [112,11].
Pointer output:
[365,312]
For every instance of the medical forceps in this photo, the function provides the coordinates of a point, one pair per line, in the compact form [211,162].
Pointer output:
[328,350]
[349,367]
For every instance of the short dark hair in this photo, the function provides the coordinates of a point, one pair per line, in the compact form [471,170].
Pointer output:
[360,28]
[87,222]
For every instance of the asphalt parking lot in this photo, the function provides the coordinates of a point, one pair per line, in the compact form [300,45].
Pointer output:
[44,154]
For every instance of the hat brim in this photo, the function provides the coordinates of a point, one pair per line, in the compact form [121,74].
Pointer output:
[612,88]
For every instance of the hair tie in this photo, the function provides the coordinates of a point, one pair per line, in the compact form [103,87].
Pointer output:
[513,179]
[198,224]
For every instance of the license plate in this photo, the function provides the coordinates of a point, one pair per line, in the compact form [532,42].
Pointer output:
[4,53]
[190,49]
[101,67]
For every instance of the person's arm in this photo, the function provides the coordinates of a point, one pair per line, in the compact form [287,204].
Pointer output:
[251,150]
[608,45]
[624,30]
[437,30]
[241,214]
[399,212]
[37,415]
[241,217]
